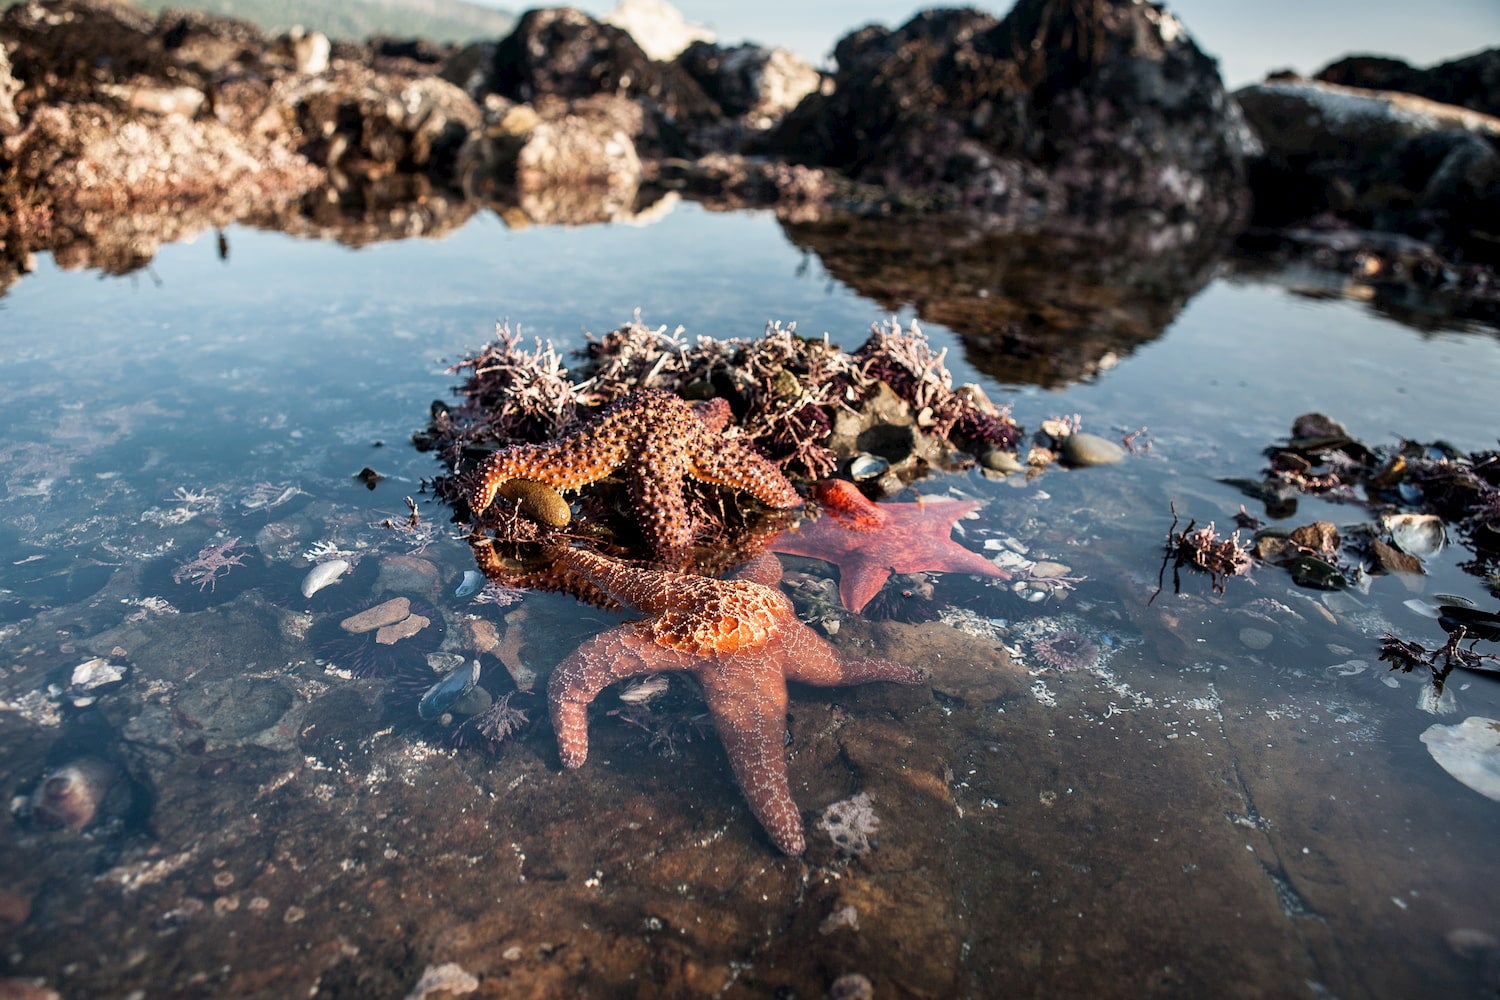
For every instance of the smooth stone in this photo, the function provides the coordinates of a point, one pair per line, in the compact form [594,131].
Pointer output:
[370,619]
[1001,461]
[1085,449]
[407,574]
[1255,638]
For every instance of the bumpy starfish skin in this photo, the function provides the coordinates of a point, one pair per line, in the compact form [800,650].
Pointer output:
[742,641]
[659,439]
[871,541]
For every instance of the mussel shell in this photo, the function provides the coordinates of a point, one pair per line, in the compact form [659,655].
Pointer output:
[1420,535]
[442,695]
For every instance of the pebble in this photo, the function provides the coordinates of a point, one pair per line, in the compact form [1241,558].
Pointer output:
[1085,449]
[1001,461]
[408,574]
[1255,638]
[388,613]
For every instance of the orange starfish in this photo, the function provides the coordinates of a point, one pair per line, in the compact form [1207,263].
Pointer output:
[659,439]
[741,640]
[871,541]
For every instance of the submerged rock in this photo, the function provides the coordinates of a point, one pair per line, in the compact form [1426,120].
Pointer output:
[1084,449]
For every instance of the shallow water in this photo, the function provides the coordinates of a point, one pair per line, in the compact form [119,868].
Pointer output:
[1182,813]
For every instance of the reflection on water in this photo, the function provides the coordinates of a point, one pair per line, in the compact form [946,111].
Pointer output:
[1197,795]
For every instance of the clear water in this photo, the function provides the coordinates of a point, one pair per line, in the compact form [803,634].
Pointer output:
[1186,814]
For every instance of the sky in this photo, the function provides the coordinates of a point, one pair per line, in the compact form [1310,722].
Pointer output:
[1249,37]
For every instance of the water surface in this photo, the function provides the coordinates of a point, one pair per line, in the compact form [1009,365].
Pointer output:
[1184,813]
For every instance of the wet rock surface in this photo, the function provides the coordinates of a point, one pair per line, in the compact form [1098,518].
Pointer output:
[1109,109]
[344,853]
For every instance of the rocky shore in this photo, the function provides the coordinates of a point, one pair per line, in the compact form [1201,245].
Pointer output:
[120,130]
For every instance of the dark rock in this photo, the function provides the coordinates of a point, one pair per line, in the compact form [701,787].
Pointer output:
[1472,82]
[366,121]
[1097,109]
[563,52]
[1381,160]
[1044,307]
[750,81]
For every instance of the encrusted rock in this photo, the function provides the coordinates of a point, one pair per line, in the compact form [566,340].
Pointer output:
[1083,108]
[565,53]
[751,81]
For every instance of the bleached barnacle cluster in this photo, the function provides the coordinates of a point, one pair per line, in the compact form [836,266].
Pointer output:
[850,823]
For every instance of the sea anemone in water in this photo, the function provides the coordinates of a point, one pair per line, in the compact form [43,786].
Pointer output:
[1066,651]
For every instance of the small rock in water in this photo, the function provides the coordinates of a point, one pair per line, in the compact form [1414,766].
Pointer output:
[1255,638]
[1001,461]
[322,575]
[1085,449]
[1470,752]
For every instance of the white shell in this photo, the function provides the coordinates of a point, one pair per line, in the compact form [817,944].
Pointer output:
[96,673]
[470,584]
[867,466]
[322,575]
[1470,751]
[1420,535]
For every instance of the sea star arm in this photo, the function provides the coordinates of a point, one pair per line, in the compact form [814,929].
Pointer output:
[726,462]
[749,711]
[597,663]
[568,464]
[808,658]
[663,513]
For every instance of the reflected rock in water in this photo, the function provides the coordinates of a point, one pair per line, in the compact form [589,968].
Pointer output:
[123,130]
[1047,307]
[1104,109]
[558,162]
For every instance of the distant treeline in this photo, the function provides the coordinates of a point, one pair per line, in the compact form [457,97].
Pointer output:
[438,20]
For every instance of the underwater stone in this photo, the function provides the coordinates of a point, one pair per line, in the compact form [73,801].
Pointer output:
[1255,638]
[996,460]
[389,635]
[389,613]
[1470,752]
[1084,449]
